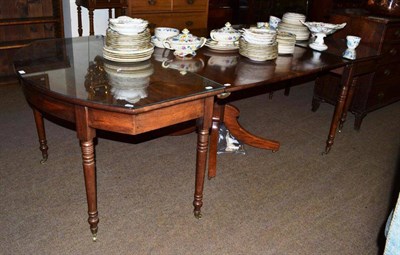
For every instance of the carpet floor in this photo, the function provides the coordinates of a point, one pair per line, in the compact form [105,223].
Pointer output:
[295,201]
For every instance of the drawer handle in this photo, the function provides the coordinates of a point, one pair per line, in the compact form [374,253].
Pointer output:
[190,1]
[393,51]
[189,23]
[152,2]
[386,72]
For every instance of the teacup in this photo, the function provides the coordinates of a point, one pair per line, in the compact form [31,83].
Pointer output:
[262,25]
[353,41]
[350,54]
[165,32]
[274,22]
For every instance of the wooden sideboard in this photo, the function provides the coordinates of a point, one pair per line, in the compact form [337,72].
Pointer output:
[21,22]
[119,5]
[374,90]
[190,14]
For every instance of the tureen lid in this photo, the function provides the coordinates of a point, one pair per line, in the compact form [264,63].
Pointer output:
[227,29]
[184,37]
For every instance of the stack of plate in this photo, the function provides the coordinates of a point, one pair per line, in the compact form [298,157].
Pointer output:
[258,52]
[292,23]
[132,47]
[258,44]
[286,42]
[129,81]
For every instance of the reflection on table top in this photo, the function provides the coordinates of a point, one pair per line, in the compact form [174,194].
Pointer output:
[75,69]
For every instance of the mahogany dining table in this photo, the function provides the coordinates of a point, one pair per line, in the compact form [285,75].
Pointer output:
[69,79]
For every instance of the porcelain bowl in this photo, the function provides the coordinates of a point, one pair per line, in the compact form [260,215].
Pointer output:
[128,26]
[225,35]
[323,28]
[184,44]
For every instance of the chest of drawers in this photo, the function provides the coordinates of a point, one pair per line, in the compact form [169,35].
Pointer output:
[190,14]
[373,90]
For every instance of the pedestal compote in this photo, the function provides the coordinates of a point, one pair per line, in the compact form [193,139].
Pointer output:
[319,31]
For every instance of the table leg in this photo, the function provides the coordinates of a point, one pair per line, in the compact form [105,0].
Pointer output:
[79,8]
[86,135]
[201,156]
[41,134]
[89,170]
[214,137]
[347,79]
[229,114]
[349,99]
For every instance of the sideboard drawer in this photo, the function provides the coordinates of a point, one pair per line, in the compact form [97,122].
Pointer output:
[387,74]
[192,5]
[107,3]
[180,14]
[392,33]
[176,20]
[390,53]
[381,94]
[150,6]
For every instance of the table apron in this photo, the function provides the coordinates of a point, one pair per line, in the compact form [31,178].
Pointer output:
[145,121]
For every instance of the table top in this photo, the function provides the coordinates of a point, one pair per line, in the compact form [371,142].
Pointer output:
[74,69]
[241,72]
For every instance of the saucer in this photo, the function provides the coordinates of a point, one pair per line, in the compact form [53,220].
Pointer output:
[213,45]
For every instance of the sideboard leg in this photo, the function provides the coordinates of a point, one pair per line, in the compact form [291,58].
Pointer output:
[80,31]
[41,134]
[91,25]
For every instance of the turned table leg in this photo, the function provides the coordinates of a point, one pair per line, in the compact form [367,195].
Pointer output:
[201,156]
[89,171]
[86,134]
[347,79]
[41,134]
[349,99]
